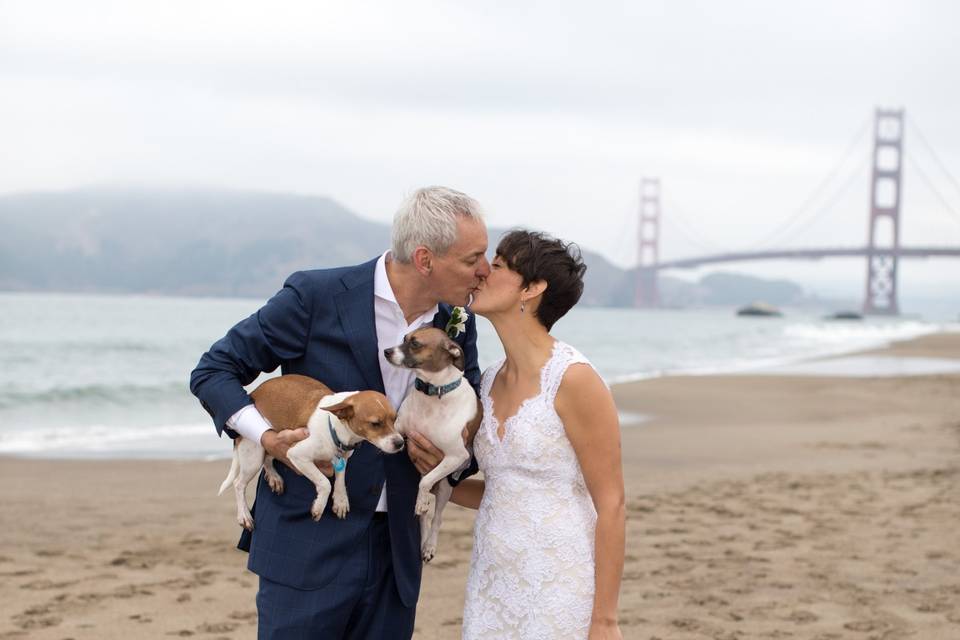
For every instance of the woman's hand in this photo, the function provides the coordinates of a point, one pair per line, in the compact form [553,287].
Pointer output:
[605,631]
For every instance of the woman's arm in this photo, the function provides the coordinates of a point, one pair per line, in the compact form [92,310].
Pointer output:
[468,493]
[585,405]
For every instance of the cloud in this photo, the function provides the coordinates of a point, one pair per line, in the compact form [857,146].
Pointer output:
[549,112]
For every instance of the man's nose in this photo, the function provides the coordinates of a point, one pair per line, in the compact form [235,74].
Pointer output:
[483,268]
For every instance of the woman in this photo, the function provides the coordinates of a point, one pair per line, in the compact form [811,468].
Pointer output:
[549,534]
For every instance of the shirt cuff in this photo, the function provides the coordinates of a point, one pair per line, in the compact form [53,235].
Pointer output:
[249,423]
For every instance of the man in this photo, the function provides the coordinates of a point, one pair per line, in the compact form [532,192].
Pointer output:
[358,577]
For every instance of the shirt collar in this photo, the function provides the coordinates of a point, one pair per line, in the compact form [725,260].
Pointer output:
[383,290]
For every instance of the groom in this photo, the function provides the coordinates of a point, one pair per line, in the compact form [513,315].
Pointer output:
[359,577]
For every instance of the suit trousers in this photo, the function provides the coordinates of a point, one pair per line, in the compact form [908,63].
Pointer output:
[361,603]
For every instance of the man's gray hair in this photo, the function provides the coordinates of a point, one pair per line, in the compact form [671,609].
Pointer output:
[429,218]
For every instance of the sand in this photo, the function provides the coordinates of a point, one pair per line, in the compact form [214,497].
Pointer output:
[758,507]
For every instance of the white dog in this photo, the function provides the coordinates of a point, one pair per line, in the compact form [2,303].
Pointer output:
[444,408]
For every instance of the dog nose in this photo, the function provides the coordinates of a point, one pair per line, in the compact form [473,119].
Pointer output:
[387,352]
[398,442]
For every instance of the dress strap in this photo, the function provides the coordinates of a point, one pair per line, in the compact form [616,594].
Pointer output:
[563,356]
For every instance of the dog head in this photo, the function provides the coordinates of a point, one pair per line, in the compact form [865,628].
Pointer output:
[427,349]
[370,416]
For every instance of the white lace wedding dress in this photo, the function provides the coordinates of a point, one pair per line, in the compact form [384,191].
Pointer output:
[531,574]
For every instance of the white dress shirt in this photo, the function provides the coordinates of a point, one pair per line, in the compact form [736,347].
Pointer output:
[391,328]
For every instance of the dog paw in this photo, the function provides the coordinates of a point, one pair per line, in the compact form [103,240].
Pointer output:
[276,483]
[341,507]
[425,503]
[316,511]
[428,552]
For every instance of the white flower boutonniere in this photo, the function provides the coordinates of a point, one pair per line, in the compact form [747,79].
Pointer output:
[458,322]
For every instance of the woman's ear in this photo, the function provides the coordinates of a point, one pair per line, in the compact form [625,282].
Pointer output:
[534,289]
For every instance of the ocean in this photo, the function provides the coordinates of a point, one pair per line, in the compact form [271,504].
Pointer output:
[92,376]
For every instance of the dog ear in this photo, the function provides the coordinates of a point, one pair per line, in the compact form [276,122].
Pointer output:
[456,353]
[343,410]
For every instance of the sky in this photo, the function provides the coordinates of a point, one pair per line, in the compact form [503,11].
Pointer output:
[754,115]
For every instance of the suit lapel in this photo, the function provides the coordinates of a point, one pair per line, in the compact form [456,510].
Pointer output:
[355,308]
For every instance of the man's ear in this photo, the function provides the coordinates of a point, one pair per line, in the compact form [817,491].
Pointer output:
[343,410]
[456,353]
[423,260]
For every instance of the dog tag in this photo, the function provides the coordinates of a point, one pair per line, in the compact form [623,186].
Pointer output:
[339,464]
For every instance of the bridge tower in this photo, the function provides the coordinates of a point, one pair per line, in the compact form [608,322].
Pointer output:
[648,237]
[883,241]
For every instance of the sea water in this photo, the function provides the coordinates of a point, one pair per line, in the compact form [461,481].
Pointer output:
[108,376]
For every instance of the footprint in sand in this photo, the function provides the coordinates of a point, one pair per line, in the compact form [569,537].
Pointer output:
[43,585]
[217,627]
[803,617]
[244,616]
[865,626]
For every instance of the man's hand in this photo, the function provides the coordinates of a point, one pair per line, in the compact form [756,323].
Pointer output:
[278,442]
[423,454]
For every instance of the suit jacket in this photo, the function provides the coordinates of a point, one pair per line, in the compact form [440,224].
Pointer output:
[321,324]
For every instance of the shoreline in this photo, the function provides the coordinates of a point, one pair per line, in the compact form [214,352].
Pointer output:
[757,506]
[925,346]
[762,367]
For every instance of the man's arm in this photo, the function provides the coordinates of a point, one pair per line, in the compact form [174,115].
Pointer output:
[279,331]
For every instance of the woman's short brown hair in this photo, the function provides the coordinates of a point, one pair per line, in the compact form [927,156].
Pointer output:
[538,256]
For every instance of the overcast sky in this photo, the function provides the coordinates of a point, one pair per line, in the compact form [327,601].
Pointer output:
[547,112]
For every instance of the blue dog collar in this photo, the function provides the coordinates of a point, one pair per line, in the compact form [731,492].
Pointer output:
[336,441]
[434,390]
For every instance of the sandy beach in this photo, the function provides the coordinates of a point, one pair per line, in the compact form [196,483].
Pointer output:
[759,506]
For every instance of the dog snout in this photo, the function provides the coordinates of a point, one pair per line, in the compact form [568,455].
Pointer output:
[390,444]
[393,355]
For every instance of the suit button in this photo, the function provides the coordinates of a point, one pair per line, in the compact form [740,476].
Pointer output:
[375,490]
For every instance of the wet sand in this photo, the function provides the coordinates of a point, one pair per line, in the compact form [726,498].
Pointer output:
[758,507]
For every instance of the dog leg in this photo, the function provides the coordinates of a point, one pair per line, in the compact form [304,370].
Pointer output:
[273,478]
[428,546]
[450,463]
[250,456]
[425,522]
[302,459]
[341,504]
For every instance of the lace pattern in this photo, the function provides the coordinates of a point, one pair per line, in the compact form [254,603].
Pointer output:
[532,570]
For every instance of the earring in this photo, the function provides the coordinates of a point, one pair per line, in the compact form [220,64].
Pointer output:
[521,306]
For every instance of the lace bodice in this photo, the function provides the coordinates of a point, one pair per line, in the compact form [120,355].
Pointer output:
[532,570]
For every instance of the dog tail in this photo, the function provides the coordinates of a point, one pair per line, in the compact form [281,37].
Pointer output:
[232,474]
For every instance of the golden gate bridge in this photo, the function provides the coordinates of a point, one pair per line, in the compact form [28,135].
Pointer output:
[883,250]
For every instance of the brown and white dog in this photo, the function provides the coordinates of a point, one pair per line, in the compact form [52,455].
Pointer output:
[444,408]
[338,422]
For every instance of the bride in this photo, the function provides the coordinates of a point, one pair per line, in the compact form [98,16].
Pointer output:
[549,534]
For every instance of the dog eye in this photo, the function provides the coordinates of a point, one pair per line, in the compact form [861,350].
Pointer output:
[415,343]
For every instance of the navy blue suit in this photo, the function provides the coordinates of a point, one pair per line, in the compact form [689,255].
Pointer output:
[321,324]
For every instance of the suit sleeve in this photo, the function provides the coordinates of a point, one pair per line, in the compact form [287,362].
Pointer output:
[278,332]
[472,374]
